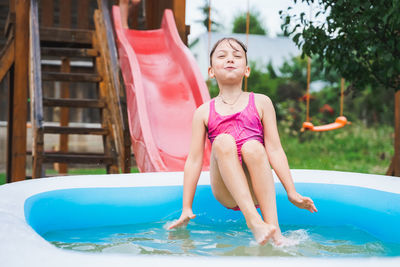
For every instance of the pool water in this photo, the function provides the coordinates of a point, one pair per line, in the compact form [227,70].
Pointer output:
[227,239]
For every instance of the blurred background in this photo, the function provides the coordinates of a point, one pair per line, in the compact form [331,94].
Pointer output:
[279,42]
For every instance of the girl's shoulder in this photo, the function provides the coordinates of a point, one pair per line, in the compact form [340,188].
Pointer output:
[203,110]
[262,99]
[263,104]
[204,106]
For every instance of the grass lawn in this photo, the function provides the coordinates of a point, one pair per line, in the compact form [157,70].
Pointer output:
[86,171]
[354,148]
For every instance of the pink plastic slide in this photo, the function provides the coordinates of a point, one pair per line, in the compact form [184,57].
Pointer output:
[164,87]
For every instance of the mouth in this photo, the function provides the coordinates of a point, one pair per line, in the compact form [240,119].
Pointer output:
[230,68]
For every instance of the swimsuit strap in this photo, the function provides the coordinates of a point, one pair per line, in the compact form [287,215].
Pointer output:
[252,101]
[212,105]
[211,113]
[212,108]
[252,104]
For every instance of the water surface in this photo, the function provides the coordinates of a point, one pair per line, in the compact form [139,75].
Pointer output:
[225,239]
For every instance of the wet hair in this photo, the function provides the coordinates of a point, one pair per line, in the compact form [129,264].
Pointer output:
[229,39]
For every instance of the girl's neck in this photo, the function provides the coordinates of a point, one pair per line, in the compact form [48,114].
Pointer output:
[228,90]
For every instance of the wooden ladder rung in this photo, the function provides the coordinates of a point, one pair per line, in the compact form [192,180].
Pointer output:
[73,103]
[71,77]
[69,52]
[74,130]
[63,35]
[83,158]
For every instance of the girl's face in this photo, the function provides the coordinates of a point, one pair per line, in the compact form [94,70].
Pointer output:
[229,63]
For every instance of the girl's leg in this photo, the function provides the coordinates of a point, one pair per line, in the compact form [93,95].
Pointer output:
[230,187]
[256,160]
[124,9]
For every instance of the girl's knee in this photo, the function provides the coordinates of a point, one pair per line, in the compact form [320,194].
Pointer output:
[224,143]
[254,151]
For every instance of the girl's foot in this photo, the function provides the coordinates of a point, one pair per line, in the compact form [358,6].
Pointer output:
[282,241]
[262,232]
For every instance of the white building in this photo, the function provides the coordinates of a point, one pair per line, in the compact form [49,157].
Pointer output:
[261,49]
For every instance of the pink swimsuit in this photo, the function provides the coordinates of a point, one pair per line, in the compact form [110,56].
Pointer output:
[243,126]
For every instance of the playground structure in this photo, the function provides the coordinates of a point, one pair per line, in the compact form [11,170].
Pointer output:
[63,42]
[164,86]
[32,37]
[340,121]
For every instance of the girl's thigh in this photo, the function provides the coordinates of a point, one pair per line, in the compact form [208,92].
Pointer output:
[218,187]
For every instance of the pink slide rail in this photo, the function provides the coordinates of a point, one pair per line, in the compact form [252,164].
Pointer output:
[164,87]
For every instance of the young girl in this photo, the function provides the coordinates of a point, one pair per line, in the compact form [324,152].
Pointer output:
[245,142]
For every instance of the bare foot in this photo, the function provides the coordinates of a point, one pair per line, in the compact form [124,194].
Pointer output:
[281,241]
[278,238]
[262,232]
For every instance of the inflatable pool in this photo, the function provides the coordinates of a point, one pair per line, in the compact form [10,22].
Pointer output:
[32,208]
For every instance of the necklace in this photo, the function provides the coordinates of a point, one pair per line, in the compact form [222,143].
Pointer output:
[225,102]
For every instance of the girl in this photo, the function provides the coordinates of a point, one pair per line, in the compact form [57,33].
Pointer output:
[245,142]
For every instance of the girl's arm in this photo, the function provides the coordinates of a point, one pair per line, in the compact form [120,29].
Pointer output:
[193,165]
[277,156]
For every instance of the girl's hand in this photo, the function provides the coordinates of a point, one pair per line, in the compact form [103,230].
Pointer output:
[186,216]
[302,202]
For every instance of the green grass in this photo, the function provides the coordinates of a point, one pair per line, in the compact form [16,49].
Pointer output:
[86,171]
[2,178]
[354,148]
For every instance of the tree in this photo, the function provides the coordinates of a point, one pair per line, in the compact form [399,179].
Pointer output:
[239,23]
[359,38]
[215,26]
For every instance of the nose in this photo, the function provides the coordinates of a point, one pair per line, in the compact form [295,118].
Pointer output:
[230,58]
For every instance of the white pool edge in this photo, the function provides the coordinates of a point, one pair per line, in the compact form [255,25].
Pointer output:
[20,244]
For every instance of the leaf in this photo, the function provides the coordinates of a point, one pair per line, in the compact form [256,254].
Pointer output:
[296,38]
[287,19]
[302,17]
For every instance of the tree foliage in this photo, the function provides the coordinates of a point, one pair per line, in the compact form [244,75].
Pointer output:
[359,38]
[215,26]
[255,23]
